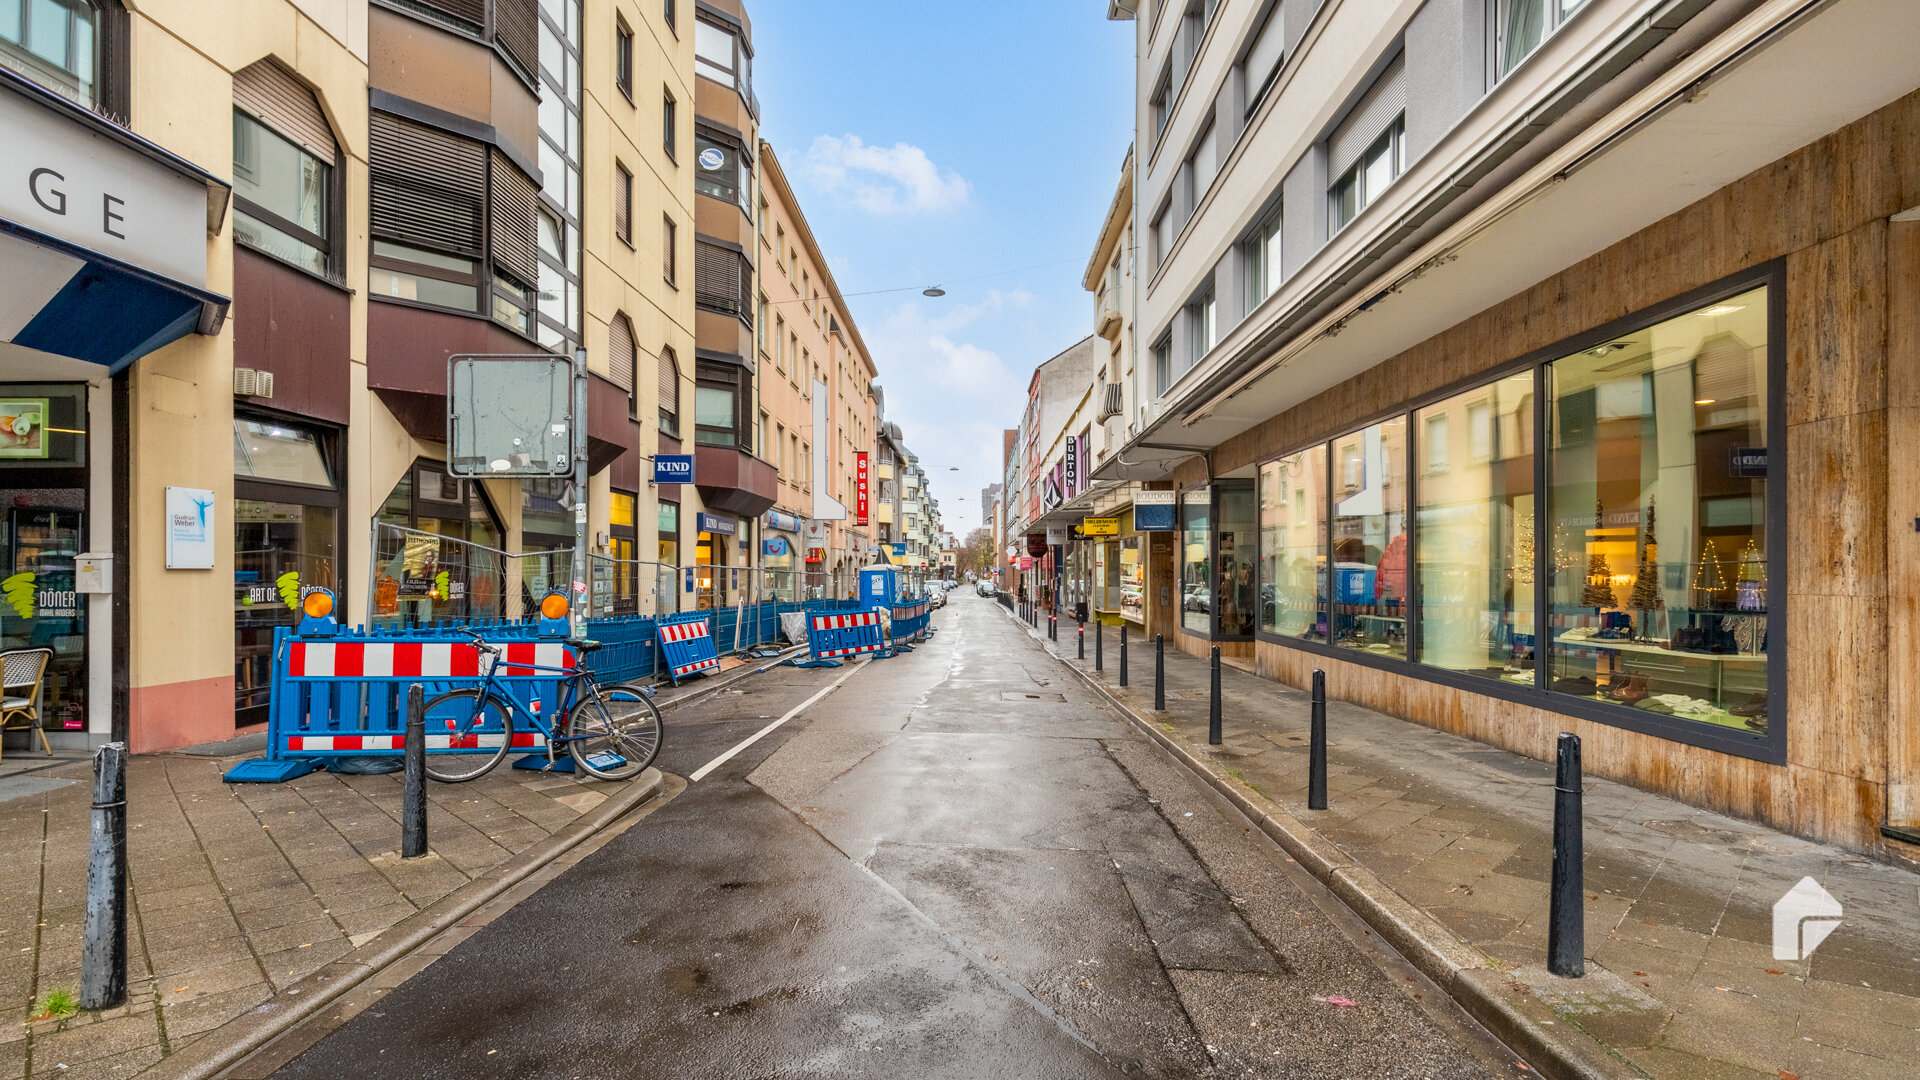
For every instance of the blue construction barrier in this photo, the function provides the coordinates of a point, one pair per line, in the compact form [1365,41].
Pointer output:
[344,694]
[686,643]
[911,619]
[834,635]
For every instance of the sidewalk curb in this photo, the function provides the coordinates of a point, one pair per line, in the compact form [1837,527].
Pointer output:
[307,997]
[1513,1015]
[303,998]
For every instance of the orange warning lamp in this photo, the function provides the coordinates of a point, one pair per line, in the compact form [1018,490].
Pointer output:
[316,609]
[554,606]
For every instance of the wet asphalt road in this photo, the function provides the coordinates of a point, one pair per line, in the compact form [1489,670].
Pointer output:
[957,864]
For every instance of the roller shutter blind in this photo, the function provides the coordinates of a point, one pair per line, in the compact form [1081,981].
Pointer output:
[515,243]
[719,278]
[1265,54]
[620,352]
[467,11]
[266,91]
[428,186]
[1385,100]
[669,383]
[516,26]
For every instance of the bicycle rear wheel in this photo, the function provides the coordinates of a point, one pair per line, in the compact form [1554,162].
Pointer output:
[615,733]
[468,732]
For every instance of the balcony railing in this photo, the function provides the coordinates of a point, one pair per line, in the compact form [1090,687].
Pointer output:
[1112,402]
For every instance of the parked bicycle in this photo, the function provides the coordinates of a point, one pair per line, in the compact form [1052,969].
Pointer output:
[611,732]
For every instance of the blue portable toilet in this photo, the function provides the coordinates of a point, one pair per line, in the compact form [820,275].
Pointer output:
[878,586]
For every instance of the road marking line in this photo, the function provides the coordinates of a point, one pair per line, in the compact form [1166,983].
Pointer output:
[701,772]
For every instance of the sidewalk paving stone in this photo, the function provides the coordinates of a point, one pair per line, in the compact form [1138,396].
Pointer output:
[235,891]
[1681,983]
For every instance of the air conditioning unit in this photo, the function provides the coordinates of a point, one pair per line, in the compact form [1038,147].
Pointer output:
[248,382]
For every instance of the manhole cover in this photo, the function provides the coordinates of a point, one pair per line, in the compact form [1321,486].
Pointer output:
[1019,695]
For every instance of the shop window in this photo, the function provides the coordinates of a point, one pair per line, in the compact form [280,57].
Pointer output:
[438,553]
[282,196]
[41,532]
[266,450]
[1658,562]
[1370,540]
[1293,545]
[43,426]
[286,543]
[1236,550]
[54,43]
[670,533]
[1475,527]
[1196,563]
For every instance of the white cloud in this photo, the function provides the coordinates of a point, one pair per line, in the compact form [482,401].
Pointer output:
[882,179]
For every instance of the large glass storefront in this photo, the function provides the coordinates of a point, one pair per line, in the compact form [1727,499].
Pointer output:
[442,558]
[43,525]
[286,543]
[1642,580]
[1196,562]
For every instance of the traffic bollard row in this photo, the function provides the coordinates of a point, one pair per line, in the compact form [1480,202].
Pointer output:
[1317,745]
[1080,638]
[1566,914]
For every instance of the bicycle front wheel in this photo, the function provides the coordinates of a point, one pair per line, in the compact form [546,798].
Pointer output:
[468,732]
[615,733]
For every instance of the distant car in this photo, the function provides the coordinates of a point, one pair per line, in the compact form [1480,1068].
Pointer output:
[987,589]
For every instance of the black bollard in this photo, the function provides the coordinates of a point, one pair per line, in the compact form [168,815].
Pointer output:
[1213,704]
[1159,673]
[103,950]
[1080,637]
[1566,917]
[413,799]
[1099,646]
[1123,654]
[1317,745]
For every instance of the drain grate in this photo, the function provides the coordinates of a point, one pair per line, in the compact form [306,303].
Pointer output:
[1020,695]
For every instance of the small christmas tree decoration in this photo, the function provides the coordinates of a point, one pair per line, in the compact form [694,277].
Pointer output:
[1750,590]
[1646,577]
[1599,590]
[1708,581]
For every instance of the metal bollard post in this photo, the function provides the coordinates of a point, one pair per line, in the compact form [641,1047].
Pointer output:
[1317,745]
[1566,916]
[1213,704]
[1099,646]
[1159,673]
[1123,654]
[1080,636]
[413,800]
[103,950]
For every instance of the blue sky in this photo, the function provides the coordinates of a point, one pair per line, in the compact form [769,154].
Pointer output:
[960,144]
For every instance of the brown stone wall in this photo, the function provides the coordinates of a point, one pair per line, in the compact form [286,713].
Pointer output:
[1853,560]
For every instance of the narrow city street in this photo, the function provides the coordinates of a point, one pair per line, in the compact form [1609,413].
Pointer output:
[955,863]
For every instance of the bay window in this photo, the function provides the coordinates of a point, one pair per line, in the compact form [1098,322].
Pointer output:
[1519,26]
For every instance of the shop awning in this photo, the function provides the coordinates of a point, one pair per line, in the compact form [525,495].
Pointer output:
[84,305]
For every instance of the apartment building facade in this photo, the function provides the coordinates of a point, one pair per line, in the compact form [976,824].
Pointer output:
[1534,366]
[817,404]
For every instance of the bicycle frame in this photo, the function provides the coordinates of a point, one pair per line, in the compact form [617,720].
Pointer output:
[570,697]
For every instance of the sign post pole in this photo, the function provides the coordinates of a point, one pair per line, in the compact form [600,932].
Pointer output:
[576,606]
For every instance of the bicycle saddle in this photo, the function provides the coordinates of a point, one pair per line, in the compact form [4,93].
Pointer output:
[583,645]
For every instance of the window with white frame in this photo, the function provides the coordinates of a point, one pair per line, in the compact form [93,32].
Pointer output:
[1260,257]
[1161,101]
[1519,26]
[1260,63]
[1162,233]
[1364,180]
[1200,326]
[1367,150]
[1162,365]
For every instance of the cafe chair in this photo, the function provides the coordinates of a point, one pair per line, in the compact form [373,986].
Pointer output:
[23,675]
